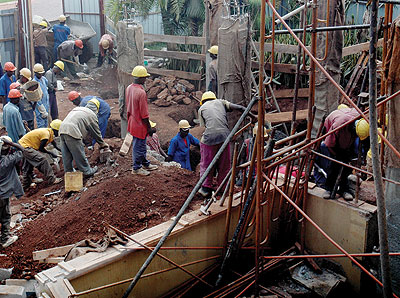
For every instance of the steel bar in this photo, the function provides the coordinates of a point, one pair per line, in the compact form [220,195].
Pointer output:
[158,254]
[315,225]
[291,137]
[312,79]
[352,167]
[376,166]
[393,254]
[326,29]
[293,12]
[188,200]
[143,276]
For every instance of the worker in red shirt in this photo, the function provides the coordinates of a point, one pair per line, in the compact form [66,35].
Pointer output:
[138,122]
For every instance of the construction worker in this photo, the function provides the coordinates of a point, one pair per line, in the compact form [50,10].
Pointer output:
[34,144]
[340,146]
[79,123]
[42,106]
[40,44]
[26,107]
[6,80]
[179,147]
[12,118]
[153,141]
[103,114]
[213,70]
[51,76]
[61,33]
[213,116]
[67,52]
[106,45]
[9,186]
[138,121]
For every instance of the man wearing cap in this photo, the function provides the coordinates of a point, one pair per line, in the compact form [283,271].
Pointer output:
[67,51]
[9,186]
[179,147]
[103,114]
[213,69]
[34,144]
[42,106]
[40,44]
[79,123]
[26,107]
[51,76]
[106,45]
[213,116]
[154,143]
[340,146]
[12,118]
[6,80]
[61,33]
[138,121]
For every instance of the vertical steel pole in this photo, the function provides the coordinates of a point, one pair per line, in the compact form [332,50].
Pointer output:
[312,71]
[380,200]
[208,43]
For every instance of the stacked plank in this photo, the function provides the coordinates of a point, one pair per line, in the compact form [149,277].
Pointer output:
[168,90]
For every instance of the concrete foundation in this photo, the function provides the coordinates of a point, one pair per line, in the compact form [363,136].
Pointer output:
[349,225]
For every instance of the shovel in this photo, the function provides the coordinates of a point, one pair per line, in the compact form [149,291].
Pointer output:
[81,67]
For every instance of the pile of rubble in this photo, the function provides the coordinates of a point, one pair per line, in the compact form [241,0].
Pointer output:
[169,90]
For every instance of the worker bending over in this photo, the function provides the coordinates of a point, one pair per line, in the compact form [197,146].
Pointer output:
[12,118]
[179,147]
[61,33]
[40,44]
[42,106]
[106,46]
[67,51]
[138,121]
[213,70]
[341,147]
[6,80]
[34,144]
[104,109]
[51,76]
[9,186]
[79,123]
[213,116]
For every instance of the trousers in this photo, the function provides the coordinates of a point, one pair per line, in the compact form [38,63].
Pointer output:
[53,105]
[41,56]
[139,153]
[5,219]
[74,150]
[222,167]
[35,159]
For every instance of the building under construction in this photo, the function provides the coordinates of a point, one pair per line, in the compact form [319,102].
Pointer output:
[273,234]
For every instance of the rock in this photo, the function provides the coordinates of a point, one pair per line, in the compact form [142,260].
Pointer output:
[187,101]
[179,99]
[5,273]
[162,103]
[180,88]
[170,85]
[29,212]
[169,98]
[188,86]
[142,216]
[173,91]
[198,95]
[153,92]
[163,94]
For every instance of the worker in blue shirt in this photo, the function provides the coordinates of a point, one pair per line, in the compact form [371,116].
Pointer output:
[179,147]
[104,109]
[12,118]
[42,107]
[6,80]
[61,33]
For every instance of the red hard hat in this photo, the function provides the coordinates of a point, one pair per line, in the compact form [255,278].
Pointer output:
[14,93]
[79,43]
[73,95]
[9,66]
[14,85]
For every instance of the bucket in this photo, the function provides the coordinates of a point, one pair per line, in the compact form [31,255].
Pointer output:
[32,91]
[73,181]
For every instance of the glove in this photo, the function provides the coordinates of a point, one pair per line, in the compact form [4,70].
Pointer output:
[44,115]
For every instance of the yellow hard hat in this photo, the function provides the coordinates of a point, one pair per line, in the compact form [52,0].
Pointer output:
[207,95]
[362,129]
[152,124]
[105,44]
[25,72]
[255,129]
[184,124]
[62,18]
[96,102]
[55,124]
[140,72]
[43,23]
[342,106]
[59,64]
[38,68]
[213,50]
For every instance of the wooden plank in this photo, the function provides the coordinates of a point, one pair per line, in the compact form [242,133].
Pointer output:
[276,118]
[358,48]
[279,67]
[175,39]
[53,260]
[126,145]
[175,55]
[51,252]
[289,93]
[177,73]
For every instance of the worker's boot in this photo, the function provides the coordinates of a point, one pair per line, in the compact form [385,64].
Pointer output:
[91,172]
[141,172]
[150,167]
[204,191]
[347,196]
[326,195]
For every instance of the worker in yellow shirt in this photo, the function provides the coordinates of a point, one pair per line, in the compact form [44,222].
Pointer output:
[34,144]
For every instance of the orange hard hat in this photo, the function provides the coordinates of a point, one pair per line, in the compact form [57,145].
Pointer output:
[14,85]
[73,95]
[79,43]
[14,93]
[9,66]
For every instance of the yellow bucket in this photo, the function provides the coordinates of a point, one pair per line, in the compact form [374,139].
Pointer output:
[73,181]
